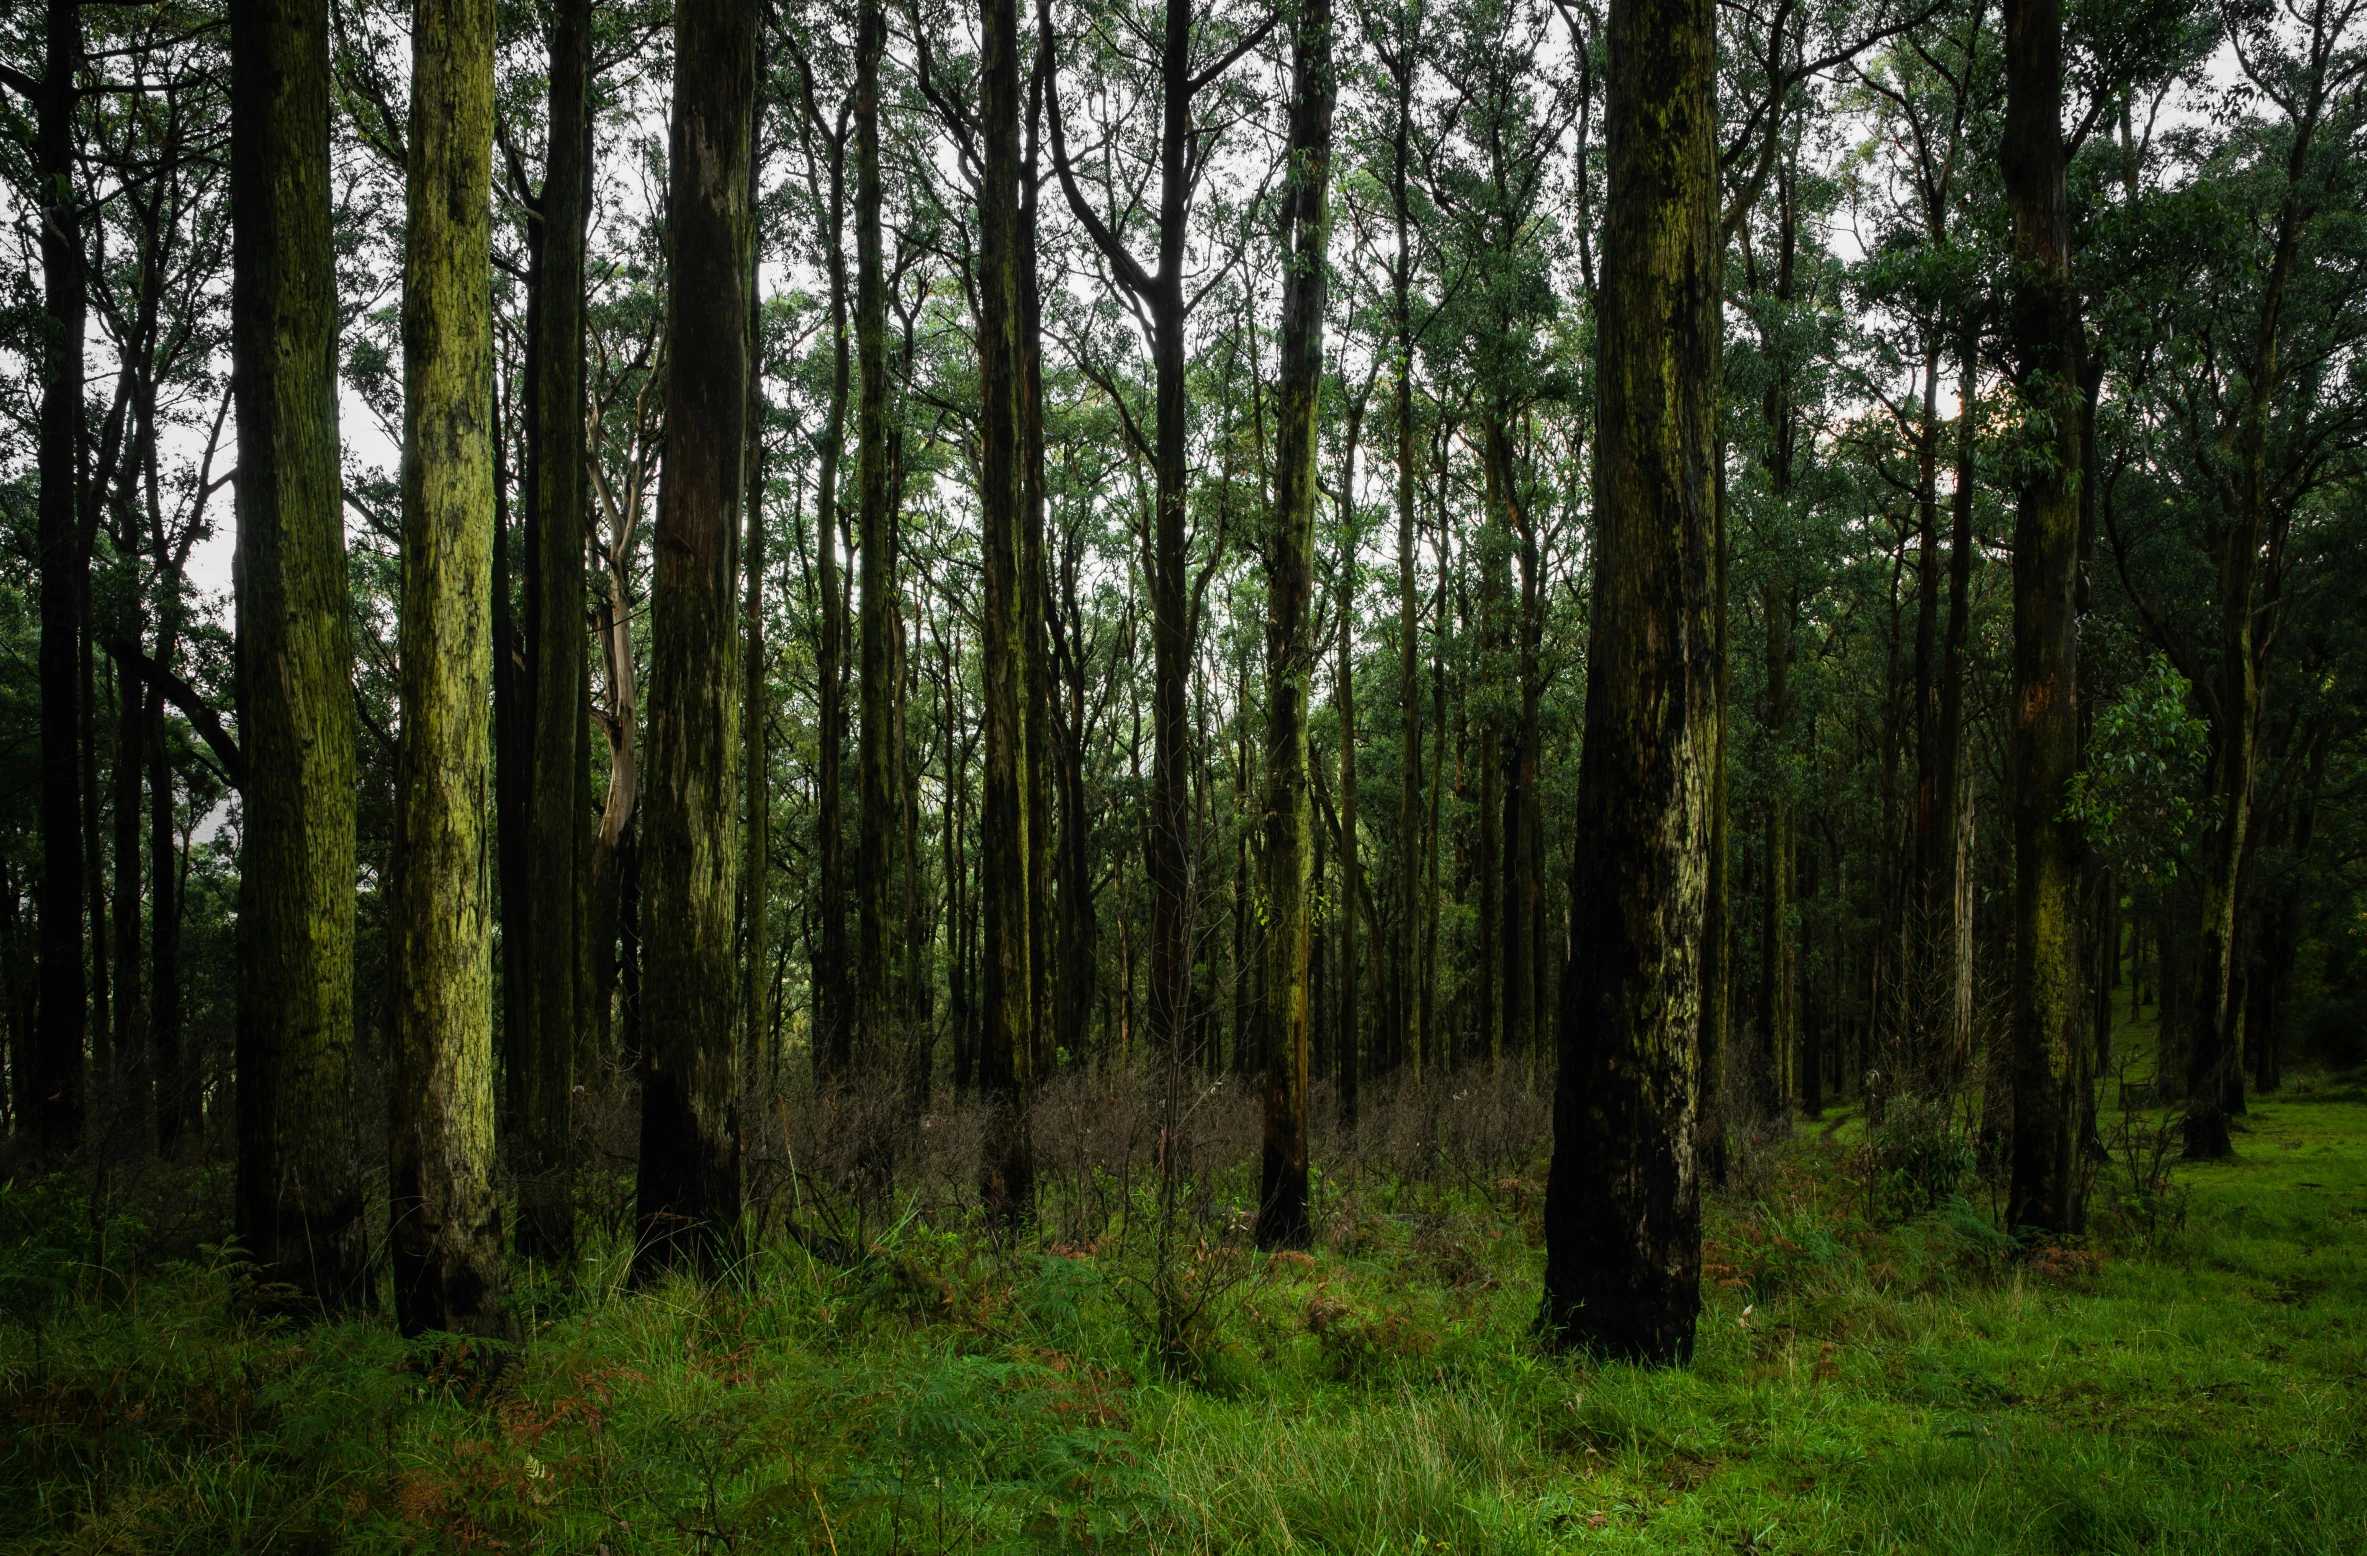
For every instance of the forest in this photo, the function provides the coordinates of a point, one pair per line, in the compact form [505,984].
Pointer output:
[1183,775]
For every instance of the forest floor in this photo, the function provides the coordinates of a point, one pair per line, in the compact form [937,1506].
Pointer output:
[1871,1376]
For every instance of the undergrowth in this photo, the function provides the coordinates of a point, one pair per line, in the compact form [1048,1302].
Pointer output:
[1878,1369]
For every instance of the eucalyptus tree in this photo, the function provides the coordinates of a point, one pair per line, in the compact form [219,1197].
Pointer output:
[2050,1061]
[1192,59]
[689,1181]
[299,1210]
[1623,1210]
[446,1223]
[1290,648]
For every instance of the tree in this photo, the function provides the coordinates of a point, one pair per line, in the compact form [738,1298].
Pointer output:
[2050,1062]
[879,806]
[57,1079]
[543,1049]
[299,1190]
[1290,644]
[446,1223]
[1008,1038]
[1623,1212]
[689,1187]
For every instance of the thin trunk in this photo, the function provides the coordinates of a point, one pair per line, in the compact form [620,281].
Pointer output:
[834,1030]
[689,1180]
[1778,982]
[877,806]
[299,1187]
[1623,1211]
[1344,679]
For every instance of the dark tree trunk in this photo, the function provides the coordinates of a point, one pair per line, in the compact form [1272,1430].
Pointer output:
[2050,1075]
[877,804]
[56,1082]
[299,1189]
[1008,632]
[542,1049]
[689,1185]
[1290,647]
[834,1029]
[1623,1211]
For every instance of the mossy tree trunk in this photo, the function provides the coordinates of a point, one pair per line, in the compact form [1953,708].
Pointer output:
[2050,1051]
[689,1188]
[1290,645]
[1623,1213]
[299,1190]
[446,1222]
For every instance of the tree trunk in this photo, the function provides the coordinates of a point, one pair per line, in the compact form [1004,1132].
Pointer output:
[1950,900]
[1351,865]
[446,1222]
[689,1185]
[1007,846]
[56,1084]
[542,1050]
[1290,646]
[834,1028]
[1623,1212]
[877,806]
[1717,928]
[299,1190]
[1779,1034]
[2050,1077]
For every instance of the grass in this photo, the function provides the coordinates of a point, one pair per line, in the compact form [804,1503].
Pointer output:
[1901,1386]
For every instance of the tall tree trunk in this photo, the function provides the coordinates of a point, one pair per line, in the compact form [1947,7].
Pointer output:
[834,1029]
[1717,929]
[1007,846]
[1290,646]
[55,1088]
[2050,1076]
[877,806]
[1623,1212]
[1949,888]
[1779,1034]
[1405,1038]
[755,763]
[131,1080]
[446,1222]
[1351,858]
[299,1189]
[542,1051]
[689,1186]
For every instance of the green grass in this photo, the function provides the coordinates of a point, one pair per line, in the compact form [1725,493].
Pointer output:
[1858,1387]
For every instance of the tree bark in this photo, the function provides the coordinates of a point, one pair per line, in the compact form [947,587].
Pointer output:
[2050,1053]
[55,1087]
[1007,846]
[542,1051]
[877,804]
[1623,1213]
[299,1190]
[1290,645]
[689,1186]
[447,1259]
